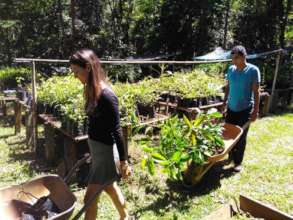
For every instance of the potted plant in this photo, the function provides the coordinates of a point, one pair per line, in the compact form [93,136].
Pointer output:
[185,146]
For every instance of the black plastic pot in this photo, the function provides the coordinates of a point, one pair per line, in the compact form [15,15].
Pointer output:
[57,111]
[40,107]
[172,98]
[48,108]
[187,102]
[146,110]
[164,96]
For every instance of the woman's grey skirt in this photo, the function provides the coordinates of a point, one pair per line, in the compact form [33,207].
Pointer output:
[104,162]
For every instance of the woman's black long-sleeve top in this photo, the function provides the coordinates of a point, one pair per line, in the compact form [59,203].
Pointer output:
[104,122]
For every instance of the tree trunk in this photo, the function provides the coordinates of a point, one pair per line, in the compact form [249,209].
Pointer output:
[283,21]
[228,7]
[61,26]
[73,15]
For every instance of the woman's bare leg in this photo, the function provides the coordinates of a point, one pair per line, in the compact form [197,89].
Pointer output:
[116,195]
[91,212]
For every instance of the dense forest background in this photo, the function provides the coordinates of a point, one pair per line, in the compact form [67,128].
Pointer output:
[140,28]
[121,29]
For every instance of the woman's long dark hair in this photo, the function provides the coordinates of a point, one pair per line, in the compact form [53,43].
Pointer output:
[96,74]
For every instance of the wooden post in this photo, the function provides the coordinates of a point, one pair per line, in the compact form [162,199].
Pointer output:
[34,107]
[266,106]
[17,112]
[28,127]
[4,108]
[126,132]
[49,145]
[70,154]
[272,99]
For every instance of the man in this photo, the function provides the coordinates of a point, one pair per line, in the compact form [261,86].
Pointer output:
[242,94]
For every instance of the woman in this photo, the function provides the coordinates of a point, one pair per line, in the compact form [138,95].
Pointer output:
[101,105]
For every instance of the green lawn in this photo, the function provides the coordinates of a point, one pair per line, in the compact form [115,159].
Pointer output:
[267,176]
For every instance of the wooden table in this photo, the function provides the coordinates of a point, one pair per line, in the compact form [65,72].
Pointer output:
[4,100]
[51,125]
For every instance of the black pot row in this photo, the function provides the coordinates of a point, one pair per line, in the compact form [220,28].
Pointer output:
[146,110]
[190,102]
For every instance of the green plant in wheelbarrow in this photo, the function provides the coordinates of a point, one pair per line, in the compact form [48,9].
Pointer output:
[185,146]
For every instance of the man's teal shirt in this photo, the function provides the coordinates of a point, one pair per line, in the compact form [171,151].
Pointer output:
[240,85]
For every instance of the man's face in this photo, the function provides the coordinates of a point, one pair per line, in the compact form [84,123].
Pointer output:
[237,59]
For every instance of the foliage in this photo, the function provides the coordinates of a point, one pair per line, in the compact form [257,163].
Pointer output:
[11,77]
[59,90]
[193,84]
[123,73]
[138,28]
[184,141]
[66,92]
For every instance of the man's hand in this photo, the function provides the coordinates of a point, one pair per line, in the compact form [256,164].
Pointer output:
[254,114]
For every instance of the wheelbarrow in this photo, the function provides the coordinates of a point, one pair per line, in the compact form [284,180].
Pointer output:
[231,135]
[52,186]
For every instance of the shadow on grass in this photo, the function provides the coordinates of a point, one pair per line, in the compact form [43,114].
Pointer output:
[20,152]
[179,196]
[6,136]
[281,111]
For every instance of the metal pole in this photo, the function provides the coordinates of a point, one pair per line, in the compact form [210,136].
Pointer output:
[34,107]
[275,79]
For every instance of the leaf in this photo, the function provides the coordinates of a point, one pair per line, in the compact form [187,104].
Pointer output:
[176,156]
[185,157]
[147,149]
[164,163]
[151,166]
[143,163]
[158,156]
[216,115]
[193,139]
[219,141]
[207,153]
[186,120]
[199,120]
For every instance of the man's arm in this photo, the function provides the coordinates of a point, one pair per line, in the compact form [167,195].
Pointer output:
[226,94]
[255,89]
[226,91]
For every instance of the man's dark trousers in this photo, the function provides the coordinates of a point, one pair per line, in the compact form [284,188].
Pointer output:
[240,119]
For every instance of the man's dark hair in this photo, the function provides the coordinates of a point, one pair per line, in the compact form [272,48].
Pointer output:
[239,50]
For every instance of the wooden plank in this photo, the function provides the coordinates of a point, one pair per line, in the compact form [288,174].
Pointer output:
[140,61]
[4,109]
[34,108]
[50,144]
[157,119]
[218,105]
[8,99]
[260,210]
[70,153]
[28,125]
[52,121]
[18,112]
[275,79]
[137,61]
[266,104]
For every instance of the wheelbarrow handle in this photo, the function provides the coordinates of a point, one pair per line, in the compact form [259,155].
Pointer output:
[246,125]
[92,198]
[80,162]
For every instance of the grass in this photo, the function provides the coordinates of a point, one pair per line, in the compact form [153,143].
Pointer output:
[267,176]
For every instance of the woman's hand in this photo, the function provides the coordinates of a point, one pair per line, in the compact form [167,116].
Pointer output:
[125,169]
